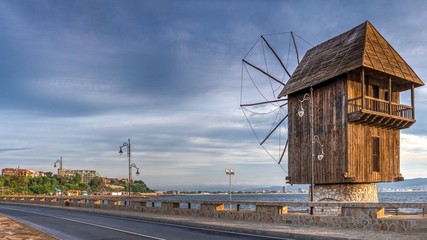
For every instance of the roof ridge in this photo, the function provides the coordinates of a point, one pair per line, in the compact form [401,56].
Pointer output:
[364,43]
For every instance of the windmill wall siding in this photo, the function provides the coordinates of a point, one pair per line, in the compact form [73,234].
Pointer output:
[360,165]
[360,159]
[330,122]
[348,146]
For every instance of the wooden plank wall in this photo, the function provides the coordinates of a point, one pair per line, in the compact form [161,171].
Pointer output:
[330,120]
[360,140]
[347,146]
[360,153]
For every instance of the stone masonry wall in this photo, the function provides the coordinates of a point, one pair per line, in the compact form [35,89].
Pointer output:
[343,193]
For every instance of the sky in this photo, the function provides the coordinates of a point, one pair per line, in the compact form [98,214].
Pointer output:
[78,78]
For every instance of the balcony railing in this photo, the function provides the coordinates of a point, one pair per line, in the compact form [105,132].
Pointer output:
[379,111]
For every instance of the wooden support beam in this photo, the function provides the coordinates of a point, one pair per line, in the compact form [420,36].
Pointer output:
[389,94]
[412,101]
[388,121]
[406,124]
[362,80]
[364,117]
[383,120]
[399,124]
[376,120]
[369,118]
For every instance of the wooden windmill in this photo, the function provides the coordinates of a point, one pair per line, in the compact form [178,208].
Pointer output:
[356,79]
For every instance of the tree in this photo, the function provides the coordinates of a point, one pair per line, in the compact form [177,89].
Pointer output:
[49,183]
[140,187]
[96,184]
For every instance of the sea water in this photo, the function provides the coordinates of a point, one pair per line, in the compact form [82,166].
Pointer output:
[287,197]
[292,197]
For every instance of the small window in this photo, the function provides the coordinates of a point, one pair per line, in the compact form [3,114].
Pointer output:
[375,91]
[375,154]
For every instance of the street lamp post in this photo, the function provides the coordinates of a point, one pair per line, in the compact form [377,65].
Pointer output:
[17,171]
[131,165]
[229,172]
[313,139]
[59,169]
[60,165]
[17,178]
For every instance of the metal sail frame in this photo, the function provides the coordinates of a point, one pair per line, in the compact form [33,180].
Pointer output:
[244,61]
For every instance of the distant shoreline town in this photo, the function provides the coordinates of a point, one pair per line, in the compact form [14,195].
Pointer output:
[90,182]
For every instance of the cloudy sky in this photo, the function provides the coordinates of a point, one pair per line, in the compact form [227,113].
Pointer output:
[78,78]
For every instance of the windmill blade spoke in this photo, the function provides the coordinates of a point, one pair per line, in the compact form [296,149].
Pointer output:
[266,73]
[259,113]
[250,124]
[265,102]
[283,105]
[274,129]
[295,46]
[284,150]
[277,56]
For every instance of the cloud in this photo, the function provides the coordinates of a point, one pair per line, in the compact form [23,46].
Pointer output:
[13,149]
[80,78]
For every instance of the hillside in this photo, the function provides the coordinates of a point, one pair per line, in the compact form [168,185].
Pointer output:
[409,184]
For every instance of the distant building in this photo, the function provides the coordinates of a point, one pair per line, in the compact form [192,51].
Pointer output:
[39,174]
[8,171]
[87,175]
[18,172]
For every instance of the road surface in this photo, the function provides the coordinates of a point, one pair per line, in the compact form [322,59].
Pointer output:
[66,224]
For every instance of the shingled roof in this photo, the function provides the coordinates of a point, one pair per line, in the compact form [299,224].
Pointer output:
[360,46]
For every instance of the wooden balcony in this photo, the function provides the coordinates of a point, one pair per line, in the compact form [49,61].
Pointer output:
[377,112]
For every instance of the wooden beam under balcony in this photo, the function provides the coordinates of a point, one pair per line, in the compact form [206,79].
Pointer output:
[367,117]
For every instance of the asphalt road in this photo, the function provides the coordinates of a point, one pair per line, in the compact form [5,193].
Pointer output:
[66,224]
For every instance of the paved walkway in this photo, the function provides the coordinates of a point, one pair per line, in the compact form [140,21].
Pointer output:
[19,231]
[11,229]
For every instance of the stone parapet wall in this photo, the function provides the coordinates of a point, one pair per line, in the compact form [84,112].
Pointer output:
[351,215]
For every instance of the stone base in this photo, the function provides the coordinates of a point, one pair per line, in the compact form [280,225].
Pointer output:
[363,192]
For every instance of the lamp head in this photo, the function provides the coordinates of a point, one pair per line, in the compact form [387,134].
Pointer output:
[137,171]
[301,111]
[321,154]
[120,151]
[54,165]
